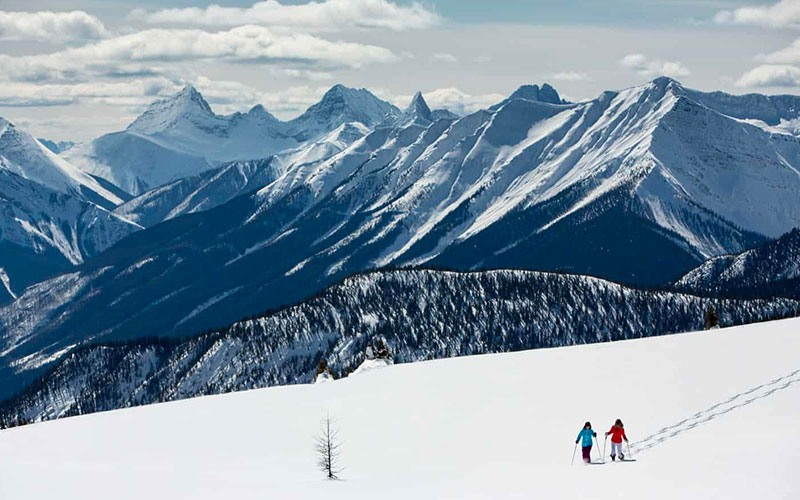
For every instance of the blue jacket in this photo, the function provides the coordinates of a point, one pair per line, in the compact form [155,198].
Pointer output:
[587,435]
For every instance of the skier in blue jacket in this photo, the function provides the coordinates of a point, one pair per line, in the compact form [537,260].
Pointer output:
[586,434]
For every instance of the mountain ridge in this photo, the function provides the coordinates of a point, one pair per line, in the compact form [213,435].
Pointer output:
[772,269]
[52,216]
[183,131]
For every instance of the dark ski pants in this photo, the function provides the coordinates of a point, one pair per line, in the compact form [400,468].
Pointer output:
[587,453]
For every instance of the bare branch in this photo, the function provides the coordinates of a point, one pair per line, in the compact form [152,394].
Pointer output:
[327,447]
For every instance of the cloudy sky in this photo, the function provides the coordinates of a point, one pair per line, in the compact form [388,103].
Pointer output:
[75,69]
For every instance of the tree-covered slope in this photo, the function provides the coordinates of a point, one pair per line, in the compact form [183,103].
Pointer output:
[421,315]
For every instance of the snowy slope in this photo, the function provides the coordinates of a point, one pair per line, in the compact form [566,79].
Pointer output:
[52,215]
[40,219]
[56,147]
[421,314]
[182,136]
[133,162]
[770,270]
[218,186]
[709,415]
[23,155]
[199,192]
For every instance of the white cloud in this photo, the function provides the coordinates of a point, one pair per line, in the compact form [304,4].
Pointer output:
[70,127]
[444,57]
[224,96]
[771,75]
[11,99]
[134,92]
[785,13]
[654,67]
[135,95]
[134,53]
[452,99]
[325,15]
[569,76]
[304,74]
[50,26]
[789,55]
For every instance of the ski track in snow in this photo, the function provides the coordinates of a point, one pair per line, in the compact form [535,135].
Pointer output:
[739,400]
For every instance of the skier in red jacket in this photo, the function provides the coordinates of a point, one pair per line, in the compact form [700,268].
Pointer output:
[617,433]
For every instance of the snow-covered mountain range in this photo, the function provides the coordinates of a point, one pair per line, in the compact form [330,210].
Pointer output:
[215,187]
[52,215]
[638,186]
[181,136]
[421,314]
[23,155]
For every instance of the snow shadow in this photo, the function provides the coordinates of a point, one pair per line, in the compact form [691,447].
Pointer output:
[738,401]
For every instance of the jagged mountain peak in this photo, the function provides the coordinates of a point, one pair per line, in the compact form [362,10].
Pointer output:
[419,106]
[259,110]
[336,91]
[548,94]
[164,114]
[343,104]
[417,112]
[23,155]
[665,81]
[191,97]
[341,92]
[418,101]
[664,85]
[256,114]
[545,93]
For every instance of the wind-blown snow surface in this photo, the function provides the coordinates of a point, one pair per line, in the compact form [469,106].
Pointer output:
[709,415]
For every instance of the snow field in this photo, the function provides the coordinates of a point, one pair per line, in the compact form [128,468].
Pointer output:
[494,426]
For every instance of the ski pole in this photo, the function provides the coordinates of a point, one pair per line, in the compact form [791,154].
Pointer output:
[629,449]
[598,448]
[605,441]
[573,453]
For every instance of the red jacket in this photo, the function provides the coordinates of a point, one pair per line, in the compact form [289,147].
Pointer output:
[617,434]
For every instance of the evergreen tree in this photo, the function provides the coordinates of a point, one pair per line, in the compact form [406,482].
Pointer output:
[323,368]
[711,318]
[381,350]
